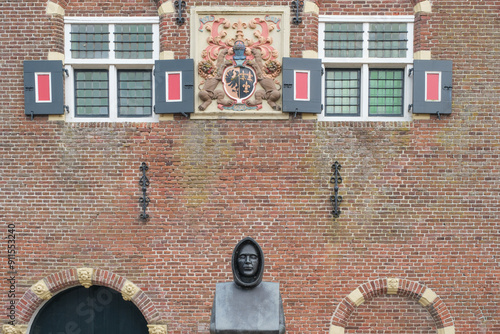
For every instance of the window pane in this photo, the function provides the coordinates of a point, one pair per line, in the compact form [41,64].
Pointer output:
[386,92]
[344,40]
[134,93]
[133,41]
[89,41]
[344,98]
[91,93]
[388,40]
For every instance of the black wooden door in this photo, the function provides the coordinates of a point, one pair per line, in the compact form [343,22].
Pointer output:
[96,310]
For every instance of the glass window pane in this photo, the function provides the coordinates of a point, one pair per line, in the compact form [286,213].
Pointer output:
[132,38]
[344,40]
[91,93]
[344,99]
[134,93]
[388,40]
[89,41]
[386,92]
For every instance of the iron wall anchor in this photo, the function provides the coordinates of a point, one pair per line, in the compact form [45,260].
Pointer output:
[335,198]
[144,183]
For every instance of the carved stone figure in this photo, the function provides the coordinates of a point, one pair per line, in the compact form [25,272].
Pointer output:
[269,91]
[247,305]
[209,91]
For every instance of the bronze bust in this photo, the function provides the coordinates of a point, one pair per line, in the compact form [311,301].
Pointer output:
[247,305]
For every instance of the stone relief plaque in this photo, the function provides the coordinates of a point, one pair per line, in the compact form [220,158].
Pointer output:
[238,55]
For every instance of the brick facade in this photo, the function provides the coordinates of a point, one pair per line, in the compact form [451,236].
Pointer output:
[420,198]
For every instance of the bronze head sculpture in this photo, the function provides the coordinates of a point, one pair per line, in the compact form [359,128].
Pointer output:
[247,305]
[247,263]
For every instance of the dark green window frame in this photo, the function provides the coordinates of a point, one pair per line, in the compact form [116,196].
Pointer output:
[342,92]
[135,93]
[386,92]
[91,93]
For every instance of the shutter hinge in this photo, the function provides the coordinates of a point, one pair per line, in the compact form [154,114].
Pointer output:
[188,86]
[410,72]
[448,87]
[287,85]
[321,106]
[66,107]
[322,71]
[410,107]
[65,70]
[28,88]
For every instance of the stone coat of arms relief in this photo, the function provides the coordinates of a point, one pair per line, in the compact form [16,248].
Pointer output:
[239,63]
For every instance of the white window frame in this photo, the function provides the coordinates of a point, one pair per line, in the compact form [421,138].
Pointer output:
[111,64]
[365,63]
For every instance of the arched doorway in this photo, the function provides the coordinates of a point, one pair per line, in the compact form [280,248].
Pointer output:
[94,310]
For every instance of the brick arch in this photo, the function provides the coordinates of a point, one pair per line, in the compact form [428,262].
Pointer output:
[66,279]
[393,286]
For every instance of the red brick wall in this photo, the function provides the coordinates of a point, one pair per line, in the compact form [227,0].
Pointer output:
[421,198]
[366,7]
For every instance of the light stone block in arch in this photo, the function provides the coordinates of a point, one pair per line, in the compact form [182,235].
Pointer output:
[356,297]
[129,290]
[392,286]
[446,330]
[337,330]
[157,329]
[16,329]
[85,276]
[41,289]
[427,298]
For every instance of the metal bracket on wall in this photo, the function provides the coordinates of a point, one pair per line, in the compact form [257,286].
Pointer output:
[335,198]
[179,7]
[297,6]
[144,183]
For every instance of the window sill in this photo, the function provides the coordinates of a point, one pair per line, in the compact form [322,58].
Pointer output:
[406,118]
[255,115]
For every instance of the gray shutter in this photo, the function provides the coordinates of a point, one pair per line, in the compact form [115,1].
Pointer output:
[43,87]
[309,102]
[165,104]
[421,103]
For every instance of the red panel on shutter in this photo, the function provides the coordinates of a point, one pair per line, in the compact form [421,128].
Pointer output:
[433,88]
[174,87]
[43,87]
[301,85]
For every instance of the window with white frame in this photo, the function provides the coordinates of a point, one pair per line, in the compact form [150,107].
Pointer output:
[110,63]
[366,61]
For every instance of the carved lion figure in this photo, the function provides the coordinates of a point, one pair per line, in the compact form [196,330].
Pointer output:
[209,91]
[269,91]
